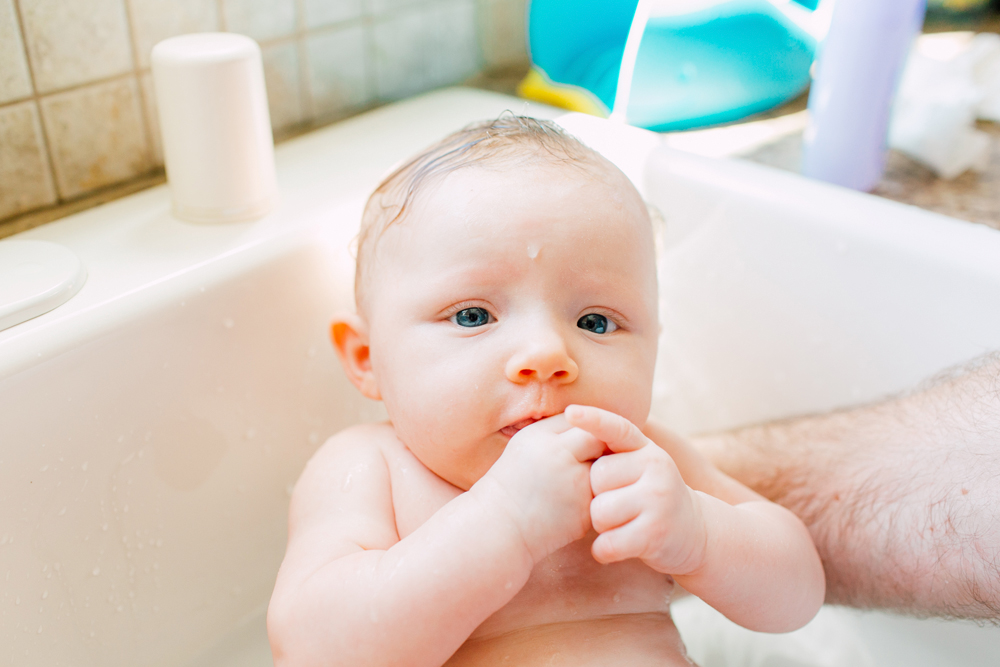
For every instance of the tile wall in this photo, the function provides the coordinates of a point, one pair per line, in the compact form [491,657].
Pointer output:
[78,109]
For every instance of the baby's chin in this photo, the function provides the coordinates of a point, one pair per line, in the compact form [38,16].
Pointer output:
[460,464]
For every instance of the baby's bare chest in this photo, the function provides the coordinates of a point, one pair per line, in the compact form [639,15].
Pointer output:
[567,587]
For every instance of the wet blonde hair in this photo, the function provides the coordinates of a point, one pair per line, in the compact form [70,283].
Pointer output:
[500,142]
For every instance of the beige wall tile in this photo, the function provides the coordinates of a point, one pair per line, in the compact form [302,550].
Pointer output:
[503,32]
[155,20]
[425,47]
[25,177]
[405,48]
[319,13]
[261,19]
[337,76]
[284,89]
[15,82]
[457,54]
[96,135]
[384,7]
[72,42]
[152,118]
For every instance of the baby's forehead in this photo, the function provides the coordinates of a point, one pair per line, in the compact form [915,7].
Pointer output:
[408,204]
[489,195]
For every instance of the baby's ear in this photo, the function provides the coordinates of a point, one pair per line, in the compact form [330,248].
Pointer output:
[350,338]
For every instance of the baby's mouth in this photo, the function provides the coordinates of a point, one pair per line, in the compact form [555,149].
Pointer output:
[509,431]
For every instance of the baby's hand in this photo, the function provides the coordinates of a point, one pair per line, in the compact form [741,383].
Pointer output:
[642,508]
[542,481]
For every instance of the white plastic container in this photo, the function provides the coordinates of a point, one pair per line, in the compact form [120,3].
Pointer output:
[217,142]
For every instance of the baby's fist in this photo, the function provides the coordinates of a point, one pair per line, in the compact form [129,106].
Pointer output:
[642,508]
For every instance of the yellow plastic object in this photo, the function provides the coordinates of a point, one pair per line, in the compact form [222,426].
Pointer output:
[536,86]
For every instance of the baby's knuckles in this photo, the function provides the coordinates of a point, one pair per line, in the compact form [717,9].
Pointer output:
[545,491]
[675,529]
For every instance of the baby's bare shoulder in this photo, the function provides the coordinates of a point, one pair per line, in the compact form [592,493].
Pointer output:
[344,496]
[354,445]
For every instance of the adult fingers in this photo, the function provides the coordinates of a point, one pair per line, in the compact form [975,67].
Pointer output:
[618,433]
[613,471]
[614,508]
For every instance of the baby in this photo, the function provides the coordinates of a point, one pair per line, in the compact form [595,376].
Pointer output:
[518,508]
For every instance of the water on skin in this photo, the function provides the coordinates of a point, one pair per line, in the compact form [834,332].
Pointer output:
[533,250]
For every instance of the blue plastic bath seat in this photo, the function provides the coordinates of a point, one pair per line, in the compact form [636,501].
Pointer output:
[710,66]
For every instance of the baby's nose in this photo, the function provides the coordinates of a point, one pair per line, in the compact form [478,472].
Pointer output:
[543,358]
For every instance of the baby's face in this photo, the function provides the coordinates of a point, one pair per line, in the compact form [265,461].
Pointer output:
[504,297]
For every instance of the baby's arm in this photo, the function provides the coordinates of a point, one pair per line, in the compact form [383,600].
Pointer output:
[350,592]
[657,499]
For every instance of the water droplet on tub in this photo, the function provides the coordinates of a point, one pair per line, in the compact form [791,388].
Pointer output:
[62,511]
[45,594]
[251,433]
[313,437]
[228,323]
[84,466]
[311,352]
[96,571]
[17,600]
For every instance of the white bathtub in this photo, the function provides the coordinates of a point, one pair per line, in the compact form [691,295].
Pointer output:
[151,428]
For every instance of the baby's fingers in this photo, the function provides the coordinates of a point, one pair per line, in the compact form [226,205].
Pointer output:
[613,471]
[618,433]
[621,543]
[584,446]
[613,509]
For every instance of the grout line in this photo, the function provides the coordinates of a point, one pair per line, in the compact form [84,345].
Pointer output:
[130,24]
[371,56]
[305,80]
[36,98]
[368,61]
[147,131]
[78,86]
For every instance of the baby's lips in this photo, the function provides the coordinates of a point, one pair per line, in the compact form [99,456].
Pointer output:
[510,430]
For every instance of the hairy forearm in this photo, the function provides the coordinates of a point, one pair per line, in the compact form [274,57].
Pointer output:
[902,498]
[760,568]
[413,604]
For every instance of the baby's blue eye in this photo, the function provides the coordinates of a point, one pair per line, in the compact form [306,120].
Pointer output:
[596,323]
[472,317]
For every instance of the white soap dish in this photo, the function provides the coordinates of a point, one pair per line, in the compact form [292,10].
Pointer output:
[36,277]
